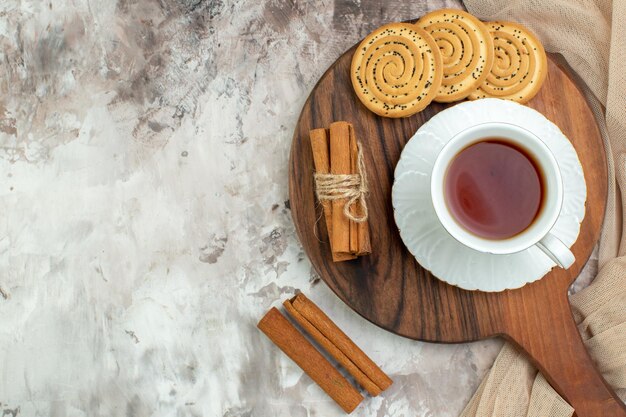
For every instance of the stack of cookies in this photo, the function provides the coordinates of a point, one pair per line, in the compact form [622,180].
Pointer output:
[447,55]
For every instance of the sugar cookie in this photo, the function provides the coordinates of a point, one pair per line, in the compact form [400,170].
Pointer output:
[396,71]
[520,66]
[466,50]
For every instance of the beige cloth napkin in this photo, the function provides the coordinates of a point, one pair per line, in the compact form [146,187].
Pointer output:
[591,36]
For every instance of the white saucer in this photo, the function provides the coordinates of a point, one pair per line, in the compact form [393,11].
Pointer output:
[425,237]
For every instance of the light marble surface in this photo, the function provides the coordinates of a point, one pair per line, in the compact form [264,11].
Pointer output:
[144,227]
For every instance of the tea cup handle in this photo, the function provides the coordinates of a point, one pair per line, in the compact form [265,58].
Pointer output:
[556,250]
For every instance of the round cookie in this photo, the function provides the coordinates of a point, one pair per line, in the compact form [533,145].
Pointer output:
[466,50]
[520,66]
[396,70]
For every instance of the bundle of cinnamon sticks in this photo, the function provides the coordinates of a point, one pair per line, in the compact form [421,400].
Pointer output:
[334,341]
[335,151]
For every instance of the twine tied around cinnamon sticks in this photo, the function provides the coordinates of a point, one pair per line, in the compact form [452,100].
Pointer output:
[350,187]
[341,187]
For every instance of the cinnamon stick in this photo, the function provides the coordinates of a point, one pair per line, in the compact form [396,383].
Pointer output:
[325,326]
[354,169]
[333,350]
[301,351]
[340,164]
[321,160]
[361,232]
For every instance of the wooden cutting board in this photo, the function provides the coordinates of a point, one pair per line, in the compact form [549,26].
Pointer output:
[389,287]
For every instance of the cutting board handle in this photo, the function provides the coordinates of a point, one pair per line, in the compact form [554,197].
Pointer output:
[564,360]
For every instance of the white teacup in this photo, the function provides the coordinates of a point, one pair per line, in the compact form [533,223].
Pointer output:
[538,233]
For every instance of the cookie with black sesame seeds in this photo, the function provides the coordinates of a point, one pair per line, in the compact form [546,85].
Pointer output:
[466,49]
[396,70]
[520,66]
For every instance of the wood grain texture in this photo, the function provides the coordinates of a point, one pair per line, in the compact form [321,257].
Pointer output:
[389,287]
